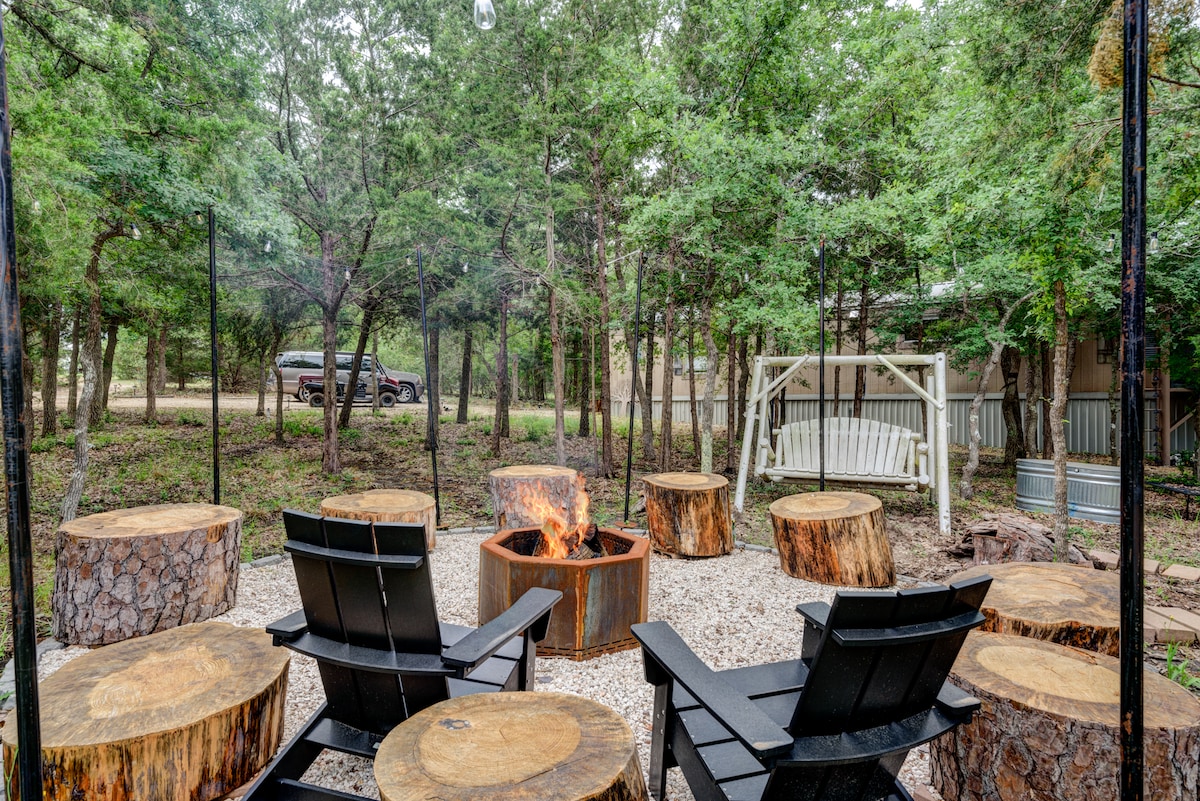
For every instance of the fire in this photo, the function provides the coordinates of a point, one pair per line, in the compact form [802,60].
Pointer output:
[560,537]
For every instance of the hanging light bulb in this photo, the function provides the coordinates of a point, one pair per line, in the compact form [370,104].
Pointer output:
[134,232]
[1153,242]
[464,268]
[267,247]
[197,218]
[37,207]
[1110,244]
[746,278]
[347,275]
[485,15]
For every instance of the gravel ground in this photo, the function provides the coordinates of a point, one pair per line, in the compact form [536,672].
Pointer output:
[734,610]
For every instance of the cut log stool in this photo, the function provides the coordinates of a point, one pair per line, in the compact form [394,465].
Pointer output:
[1048,729]
[1050,601]
[833,538]
[183,715]
[688,514]
[131,572]
[520,746]
[513,489]
[386,506]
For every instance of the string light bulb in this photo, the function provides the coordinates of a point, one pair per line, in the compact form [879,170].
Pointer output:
[347,275]
[37,207]
[485,15]
[134,232]
[464,268]
[1153,242]
[267,247]
[1110,244]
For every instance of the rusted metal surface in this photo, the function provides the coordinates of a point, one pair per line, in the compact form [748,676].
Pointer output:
[602,597]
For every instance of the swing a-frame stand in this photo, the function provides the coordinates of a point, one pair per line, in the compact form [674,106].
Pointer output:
[857,452]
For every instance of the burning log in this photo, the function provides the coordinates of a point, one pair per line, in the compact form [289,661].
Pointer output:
[587,546]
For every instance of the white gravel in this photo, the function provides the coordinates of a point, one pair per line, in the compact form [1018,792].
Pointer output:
[733,610]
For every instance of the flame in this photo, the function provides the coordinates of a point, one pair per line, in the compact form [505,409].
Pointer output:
[559,536]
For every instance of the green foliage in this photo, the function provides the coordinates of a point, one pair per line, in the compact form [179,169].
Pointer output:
[1177,669]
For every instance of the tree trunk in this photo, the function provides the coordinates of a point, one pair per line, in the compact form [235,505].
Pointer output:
[837,349]
[73,370]
[360,349]
[730,405]
[1057,414]
[1114,413]
[833,538]
[512,488]
[693,407]
[687,514]
[278,399]
[161,373]
[707,408]
[261,385]
[500,422]
[51,333]
[743,385]
[151,376]
[667,423]
[1047,391]
[331,278]
[648,453]
[860,371]
[464,377]
[606,432]
[27,380]
[110,352]
[587,374]
[1010,406]
[89,358]
[1033,374]
[557,361]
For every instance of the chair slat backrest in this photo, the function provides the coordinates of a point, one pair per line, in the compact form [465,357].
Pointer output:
[350,603]
[853,686]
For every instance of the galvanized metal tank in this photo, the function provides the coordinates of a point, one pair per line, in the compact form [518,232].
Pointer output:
[1093,490]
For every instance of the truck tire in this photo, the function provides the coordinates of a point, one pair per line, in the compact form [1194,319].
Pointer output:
[406,394]
[387,399]
[316,399]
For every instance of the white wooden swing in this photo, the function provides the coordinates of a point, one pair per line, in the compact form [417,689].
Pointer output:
[857,451]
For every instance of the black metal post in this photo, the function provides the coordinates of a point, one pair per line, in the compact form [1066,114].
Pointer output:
[16,474]
[212,337]
[1133,328]
[637,340]
[431,429]
[821,368]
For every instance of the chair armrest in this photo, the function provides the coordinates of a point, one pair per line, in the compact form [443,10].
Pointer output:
[288,628]
[531,609]
[956,701]
[873,743]
[667,658]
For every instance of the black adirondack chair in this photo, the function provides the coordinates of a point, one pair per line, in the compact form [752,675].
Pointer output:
[370,621]
[834,725]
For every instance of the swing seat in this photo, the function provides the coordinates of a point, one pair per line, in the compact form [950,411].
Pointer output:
[857,451]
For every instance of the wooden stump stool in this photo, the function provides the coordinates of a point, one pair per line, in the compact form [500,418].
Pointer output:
[183,715]
[131,572]
[520,492]
[386,506]
[688,514]
[833,538]
[1048,729]
[523,746]
[1060,603]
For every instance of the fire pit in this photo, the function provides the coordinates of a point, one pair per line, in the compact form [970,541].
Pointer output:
[602,595]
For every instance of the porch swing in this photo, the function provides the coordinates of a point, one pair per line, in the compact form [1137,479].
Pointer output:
[857,451]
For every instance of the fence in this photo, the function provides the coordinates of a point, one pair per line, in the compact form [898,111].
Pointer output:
[1088,417]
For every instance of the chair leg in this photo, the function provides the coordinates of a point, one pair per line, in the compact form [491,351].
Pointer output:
[660,736]
[525,666]
[290,763]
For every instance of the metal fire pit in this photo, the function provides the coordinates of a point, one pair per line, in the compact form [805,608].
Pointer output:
[602,597]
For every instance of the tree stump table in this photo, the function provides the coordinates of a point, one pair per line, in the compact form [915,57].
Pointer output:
[183,715]
[688,514]
[386,506]
[1048,729]
[833,538]
[1061,603]
[131,572]
[520,494]
[519,746]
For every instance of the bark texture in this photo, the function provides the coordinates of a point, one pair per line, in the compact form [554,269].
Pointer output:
[1063,604]
[1002,538]
[386,506]
[511,747]
[833,538]
[560,486]
[132,572]
[193,713]
[688,514]
[1048,729]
